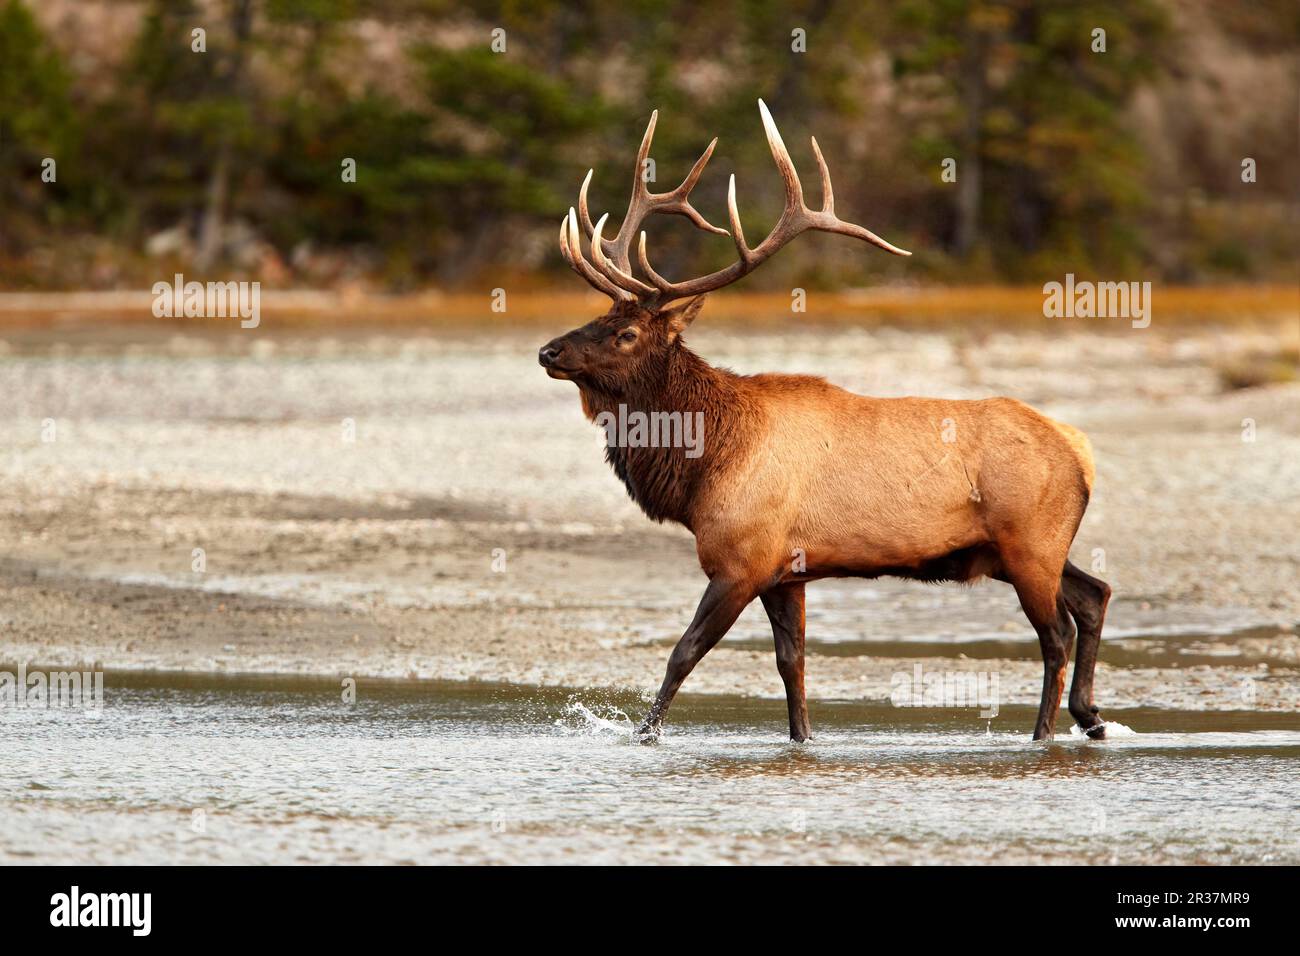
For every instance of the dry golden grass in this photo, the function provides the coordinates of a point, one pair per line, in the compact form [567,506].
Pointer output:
[984,306]
[1275,366]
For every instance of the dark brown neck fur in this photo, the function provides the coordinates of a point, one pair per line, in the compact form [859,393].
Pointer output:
[664,482]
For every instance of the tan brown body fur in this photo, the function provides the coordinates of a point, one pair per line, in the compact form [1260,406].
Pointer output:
[867,486]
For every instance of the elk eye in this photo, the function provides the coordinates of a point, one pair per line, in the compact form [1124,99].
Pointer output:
[628,336]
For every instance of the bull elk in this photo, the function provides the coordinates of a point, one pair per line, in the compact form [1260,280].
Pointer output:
[801,480]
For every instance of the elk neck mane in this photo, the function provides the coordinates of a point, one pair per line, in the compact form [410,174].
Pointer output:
[664,482]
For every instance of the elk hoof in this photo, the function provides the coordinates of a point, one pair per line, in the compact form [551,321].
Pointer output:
[1089,720]
[647,734]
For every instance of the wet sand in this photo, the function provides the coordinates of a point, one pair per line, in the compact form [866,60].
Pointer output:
[355,494]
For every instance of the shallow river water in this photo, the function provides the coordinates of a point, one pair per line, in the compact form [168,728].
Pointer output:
[178,769]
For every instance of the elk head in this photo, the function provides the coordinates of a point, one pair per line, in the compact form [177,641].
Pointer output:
[638,336]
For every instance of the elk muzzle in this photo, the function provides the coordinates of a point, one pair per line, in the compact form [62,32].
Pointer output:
[549,357]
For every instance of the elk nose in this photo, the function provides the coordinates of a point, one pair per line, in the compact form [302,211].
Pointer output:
[547,355]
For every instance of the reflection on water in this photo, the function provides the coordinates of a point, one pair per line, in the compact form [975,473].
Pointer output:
[204,769]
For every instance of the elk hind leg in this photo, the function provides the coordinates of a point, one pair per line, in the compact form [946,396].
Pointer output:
[1087,598]
[1038,585]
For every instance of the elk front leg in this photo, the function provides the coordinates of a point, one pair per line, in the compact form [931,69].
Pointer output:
[785,609]
[722,603]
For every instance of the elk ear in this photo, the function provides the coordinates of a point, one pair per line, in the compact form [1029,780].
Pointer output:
[682,316]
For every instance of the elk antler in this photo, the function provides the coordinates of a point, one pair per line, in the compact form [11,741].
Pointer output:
[612,273]
[571,249]
[644,202]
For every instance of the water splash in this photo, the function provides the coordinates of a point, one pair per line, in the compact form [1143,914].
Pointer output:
[1114,729]
[605,720]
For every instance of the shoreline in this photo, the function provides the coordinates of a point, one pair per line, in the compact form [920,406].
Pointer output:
[903,305]
[143,629]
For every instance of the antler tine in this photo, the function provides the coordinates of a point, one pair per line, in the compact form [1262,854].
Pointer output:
[679,202]
[668,291]
[640,193]
[693,177]
[564,243]
[784,164]
[583,211]
[638,205]
[571,249]
[826,222]
[733,214]
[616,275]
[639,187]
[828,194]
[663,284]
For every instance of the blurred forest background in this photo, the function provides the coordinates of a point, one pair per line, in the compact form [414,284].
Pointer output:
[1123,164]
